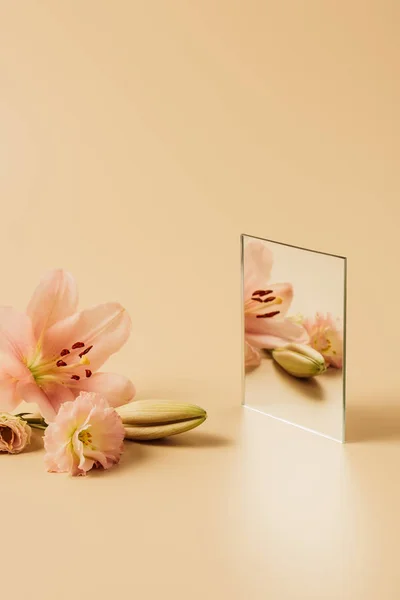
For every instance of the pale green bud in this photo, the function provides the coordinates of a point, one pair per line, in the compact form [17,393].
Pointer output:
[155,419]
[300,360]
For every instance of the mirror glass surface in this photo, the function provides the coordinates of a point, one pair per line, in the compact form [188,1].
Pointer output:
[294,303]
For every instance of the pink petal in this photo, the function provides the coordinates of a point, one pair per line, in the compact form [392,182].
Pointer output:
[8,393]
[16,335]
[252,358]
[12,372]
[90,413]
[31,392]
[84,464]
[106,327]
[116,389]
[57,394]
[337,363]
[55,298]
[277,333]
[59,458]
[257,265]
[285,292]
[97,457]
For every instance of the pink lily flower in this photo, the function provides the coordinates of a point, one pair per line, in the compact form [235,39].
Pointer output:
[51,353]
[266,304]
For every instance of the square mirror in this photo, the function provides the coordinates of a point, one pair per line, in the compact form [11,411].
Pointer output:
[294,311]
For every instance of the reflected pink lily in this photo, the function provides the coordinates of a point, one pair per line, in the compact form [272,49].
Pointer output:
[252,357]
[52,352]
[266,304]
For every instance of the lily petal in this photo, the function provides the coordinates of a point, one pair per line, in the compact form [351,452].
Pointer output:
[116,389]
[258,259]
[31,392]
[8,393]
[12,373]
[277,333]
[55,298]
[252,358]
[16,335]
[105,328]
[57,394]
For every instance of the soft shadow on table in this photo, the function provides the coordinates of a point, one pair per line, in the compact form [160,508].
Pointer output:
[373,421]
[191,440]
[137,452]
[134,455]
[311,388]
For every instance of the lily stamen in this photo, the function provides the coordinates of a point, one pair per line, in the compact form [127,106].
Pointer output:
[78,345]
[268,315]
[254,305]
[88,349]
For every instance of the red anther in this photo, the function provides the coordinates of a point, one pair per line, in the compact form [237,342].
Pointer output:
[88,349]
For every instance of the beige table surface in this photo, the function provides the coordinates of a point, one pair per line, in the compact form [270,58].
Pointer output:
[245,507]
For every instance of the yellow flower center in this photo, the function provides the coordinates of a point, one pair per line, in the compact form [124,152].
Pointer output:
[85,437]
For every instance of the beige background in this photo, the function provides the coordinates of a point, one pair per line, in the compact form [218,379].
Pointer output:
[318,282]
[138,140]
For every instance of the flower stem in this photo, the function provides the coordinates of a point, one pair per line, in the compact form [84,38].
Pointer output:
[33,421]
[38,425]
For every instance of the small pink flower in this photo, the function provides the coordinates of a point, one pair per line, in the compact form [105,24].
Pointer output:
[15,433]
[52,352]
[86,433]
[266,304]
[252,358]
[326,336]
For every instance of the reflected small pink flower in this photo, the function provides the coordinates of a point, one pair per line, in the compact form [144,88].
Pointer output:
[326,336]
[86,433]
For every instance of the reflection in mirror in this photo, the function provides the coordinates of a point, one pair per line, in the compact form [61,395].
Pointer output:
[294,338]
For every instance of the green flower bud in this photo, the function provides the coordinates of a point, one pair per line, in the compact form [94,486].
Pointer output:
[300,360]
[155,419]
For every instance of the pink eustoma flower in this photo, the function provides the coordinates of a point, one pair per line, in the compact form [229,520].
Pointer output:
[326,336]
[86,433]
[15,434]
[51,353]
[266,304]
